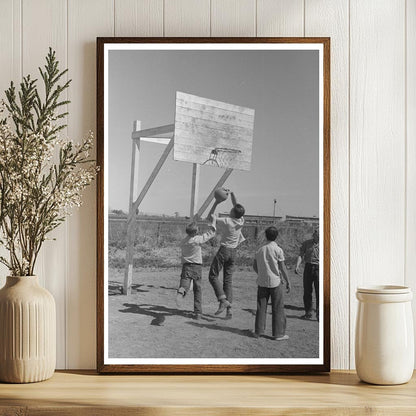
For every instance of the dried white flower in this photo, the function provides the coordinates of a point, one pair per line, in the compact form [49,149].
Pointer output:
[42,175]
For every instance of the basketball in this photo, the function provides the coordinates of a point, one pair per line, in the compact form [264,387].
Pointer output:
[220,195]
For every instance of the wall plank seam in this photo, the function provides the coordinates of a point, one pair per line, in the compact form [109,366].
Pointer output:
[405,144]
[21,39]
[210,18]
[349,185]
[304,18]
[67,251]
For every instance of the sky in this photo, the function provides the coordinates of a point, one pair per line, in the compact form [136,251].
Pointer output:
[282,87]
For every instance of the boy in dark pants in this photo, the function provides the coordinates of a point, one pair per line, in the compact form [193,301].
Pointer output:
[230,230]
[270,268]
[309,253]
[192,265]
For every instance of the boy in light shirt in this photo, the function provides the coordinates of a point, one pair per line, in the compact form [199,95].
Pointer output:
[269,264]
[230,230]
[191,256]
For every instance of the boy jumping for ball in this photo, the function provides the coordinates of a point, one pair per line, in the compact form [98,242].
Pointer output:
[230,230]
[269,264]
[191,256]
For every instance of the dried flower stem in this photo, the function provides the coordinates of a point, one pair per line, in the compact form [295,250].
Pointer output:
[41,176]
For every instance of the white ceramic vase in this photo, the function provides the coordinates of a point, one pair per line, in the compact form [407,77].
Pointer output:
[27,331]
[384,340]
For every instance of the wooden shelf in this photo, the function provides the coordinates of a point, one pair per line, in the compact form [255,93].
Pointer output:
[85,392]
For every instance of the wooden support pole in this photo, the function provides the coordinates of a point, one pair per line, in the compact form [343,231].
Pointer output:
[194,189]
[210,197]
[134,172]
[134,187]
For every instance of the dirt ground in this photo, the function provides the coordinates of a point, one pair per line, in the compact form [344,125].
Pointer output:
[148,324]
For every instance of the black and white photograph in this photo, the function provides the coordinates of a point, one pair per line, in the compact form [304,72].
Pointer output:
[213,204]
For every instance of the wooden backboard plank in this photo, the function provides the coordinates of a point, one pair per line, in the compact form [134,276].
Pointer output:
[201,157]
[203,125]
[211,109]
[214,108]
[213,141]
[200,154]
[195,126]
[203,152]
[207,101]
[217,116]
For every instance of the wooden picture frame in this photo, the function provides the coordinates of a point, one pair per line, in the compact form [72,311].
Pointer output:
[107,364]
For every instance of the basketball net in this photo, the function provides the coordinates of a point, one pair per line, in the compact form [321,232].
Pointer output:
[221,157]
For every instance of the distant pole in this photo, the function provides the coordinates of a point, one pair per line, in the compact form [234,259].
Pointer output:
[274,207]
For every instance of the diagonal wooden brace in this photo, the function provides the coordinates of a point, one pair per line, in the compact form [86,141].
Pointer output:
[210,197]
[149,182]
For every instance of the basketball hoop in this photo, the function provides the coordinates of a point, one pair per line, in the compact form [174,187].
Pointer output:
[221,157]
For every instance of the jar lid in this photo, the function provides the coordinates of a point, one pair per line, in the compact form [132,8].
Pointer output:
[384,289]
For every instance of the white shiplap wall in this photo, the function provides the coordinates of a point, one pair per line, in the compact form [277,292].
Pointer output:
[373,128]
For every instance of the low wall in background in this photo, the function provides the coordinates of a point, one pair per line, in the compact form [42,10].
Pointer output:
[156,242]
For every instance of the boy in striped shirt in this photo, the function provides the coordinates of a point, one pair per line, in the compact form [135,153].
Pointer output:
[191,256]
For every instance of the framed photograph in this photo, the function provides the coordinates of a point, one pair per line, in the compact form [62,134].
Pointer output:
[213,217]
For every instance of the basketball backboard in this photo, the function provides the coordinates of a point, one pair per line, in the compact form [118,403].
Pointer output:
[214,133]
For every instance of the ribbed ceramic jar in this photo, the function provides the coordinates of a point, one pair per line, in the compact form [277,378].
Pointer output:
[384,340]
[27,331]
